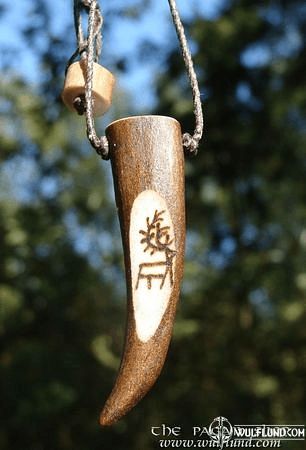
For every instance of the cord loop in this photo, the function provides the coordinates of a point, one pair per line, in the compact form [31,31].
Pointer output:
[90,49]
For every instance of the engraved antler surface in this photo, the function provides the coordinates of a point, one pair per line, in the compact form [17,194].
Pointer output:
[153,241]
[156,235]
[148,167]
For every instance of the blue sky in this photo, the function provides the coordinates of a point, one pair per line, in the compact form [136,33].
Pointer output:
[124,35]
[122,39]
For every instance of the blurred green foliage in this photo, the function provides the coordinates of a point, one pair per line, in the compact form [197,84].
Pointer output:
[239,344]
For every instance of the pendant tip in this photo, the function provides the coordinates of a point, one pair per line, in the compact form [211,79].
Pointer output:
[106,419]
[116,407]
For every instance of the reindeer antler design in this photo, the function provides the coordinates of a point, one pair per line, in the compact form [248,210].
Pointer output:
[160,232]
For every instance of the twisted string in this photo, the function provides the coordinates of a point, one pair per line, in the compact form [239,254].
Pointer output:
[95,22]
[191,142]
[89,49]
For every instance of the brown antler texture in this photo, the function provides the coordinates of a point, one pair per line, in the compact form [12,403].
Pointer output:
[148,167]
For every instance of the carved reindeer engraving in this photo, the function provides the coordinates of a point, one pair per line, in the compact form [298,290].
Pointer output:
[156,239]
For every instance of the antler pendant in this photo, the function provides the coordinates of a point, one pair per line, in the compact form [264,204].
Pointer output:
[148,167]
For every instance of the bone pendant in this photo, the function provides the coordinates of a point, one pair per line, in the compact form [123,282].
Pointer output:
[148,168]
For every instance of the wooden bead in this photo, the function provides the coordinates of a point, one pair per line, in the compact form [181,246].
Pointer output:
[103,84]
[147,160]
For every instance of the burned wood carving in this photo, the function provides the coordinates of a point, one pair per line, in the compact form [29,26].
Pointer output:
[157,239]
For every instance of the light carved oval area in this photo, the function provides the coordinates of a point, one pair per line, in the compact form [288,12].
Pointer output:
[153,252]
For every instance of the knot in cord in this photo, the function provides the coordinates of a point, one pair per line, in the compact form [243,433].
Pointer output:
[100,145]
[79,105]
[191,143]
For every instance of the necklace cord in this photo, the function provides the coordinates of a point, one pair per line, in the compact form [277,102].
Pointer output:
[189,142]
[89,50]
[94,43]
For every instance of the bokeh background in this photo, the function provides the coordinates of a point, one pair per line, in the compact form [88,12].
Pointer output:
[239,344]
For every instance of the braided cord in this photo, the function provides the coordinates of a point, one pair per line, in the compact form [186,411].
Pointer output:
[89,49]
[95,22]
[189,142]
